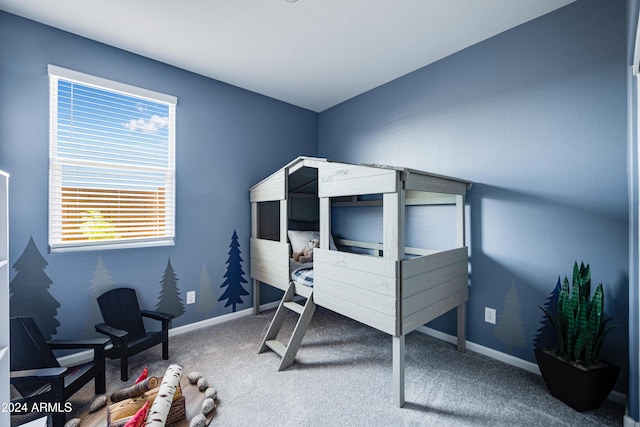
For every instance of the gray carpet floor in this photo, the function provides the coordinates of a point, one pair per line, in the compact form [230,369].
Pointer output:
[342,377]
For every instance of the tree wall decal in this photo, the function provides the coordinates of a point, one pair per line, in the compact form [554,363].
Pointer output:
[29,291]
[169,300]
[509,329]
[206,300]
[234,276]
[546,334]
[100,283]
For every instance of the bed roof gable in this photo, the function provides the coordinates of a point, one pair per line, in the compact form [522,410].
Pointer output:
[362,178]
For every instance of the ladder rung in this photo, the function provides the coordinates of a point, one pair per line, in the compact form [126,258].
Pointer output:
[276,346]
[294,306]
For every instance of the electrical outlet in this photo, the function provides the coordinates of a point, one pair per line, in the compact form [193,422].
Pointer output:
[191,297]
[490,315]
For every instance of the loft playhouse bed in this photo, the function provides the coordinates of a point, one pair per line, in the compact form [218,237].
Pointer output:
[388,286]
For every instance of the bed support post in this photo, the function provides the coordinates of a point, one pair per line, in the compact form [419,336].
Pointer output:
[460,221]
[462,308]
[462,330]
[254,234]
[325,222]
[393,208]
[256,297]
[398,370]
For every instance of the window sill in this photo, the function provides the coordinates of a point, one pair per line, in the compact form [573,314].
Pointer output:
[93,246]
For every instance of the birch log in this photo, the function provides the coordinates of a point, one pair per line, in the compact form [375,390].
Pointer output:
[128,407]
[135,390]
[121,422]
[162,403]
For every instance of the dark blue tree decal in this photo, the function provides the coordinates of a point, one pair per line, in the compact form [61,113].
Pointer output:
[233,276]
[546,334]
[30,291]
[169,300]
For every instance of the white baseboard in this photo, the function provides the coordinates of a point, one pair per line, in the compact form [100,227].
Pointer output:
[629,422]
[614,396]
[219,319]
[87,355]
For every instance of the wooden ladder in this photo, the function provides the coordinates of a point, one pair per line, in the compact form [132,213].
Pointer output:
[288,352]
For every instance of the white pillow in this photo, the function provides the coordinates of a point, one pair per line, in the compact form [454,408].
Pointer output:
[300,239]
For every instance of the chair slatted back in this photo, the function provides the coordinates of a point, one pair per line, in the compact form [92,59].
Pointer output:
[120,309]
[29,350]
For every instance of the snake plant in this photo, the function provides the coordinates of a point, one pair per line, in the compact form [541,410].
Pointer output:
[580,325]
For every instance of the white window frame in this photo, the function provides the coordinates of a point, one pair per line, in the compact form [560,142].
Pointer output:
[56,163]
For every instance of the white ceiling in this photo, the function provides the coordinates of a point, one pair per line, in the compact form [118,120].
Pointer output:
[310,53]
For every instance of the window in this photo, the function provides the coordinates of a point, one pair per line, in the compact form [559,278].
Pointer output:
[112,164]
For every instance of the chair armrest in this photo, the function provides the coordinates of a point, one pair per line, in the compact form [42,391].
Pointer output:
[157,315]
[113,333]
[70,344]
[36,374]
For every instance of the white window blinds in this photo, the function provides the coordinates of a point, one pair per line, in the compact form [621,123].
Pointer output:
[112,164]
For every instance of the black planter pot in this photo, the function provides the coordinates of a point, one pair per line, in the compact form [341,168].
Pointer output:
[582,390]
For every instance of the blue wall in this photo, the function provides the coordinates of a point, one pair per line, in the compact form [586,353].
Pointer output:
[228,139]
[536,118]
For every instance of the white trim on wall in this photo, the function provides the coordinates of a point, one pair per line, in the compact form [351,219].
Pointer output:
[86,356]
[614,396]
[633,163]
[90,79]
[627,421]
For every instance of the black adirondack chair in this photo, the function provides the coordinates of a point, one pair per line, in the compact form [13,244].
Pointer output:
[39,378]
[123,324]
